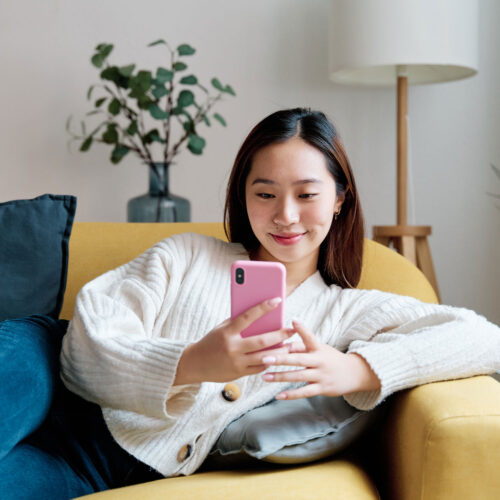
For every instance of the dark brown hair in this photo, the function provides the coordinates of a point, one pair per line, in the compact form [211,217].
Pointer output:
[341,252]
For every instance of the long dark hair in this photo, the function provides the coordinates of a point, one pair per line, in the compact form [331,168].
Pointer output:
[341,252]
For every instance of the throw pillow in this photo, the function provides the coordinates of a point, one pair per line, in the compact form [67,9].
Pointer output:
[34,236]
[293,431]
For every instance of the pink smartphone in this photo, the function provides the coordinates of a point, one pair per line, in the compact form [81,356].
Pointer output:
[253,282]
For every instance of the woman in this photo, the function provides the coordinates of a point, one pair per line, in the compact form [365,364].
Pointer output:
[151,343]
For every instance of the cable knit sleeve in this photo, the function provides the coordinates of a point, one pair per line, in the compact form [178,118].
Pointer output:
[408,343]
[114,353]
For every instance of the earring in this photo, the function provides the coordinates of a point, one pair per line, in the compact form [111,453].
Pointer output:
[336,215]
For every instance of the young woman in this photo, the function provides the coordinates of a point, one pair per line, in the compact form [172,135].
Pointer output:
[156,369]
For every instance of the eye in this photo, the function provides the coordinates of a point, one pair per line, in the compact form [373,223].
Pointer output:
[265,196]
[308,196]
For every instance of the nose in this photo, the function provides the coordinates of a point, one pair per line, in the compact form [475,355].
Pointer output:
[286,213]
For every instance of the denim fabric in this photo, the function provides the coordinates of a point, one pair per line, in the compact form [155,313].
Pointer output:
[53,444]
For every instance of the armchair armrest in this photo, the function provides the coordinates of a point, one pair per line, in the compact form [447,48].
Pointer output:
[443,441]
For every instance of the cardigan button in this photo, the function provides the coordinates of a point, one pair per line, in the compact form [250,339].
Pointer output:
[184,452]
[231,392]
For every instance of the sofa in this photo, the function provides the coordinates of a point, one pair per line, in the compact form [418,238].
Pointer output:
[438,441]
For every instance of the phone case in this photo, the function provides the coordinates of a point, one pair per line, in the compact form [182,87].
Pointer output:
[261,281]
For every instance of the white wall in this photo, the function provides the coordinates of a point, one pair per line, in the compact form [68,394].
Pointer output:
[274,54]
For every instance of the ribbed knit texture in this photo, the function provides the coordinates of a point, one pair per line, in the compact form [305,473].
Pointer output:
[132,324]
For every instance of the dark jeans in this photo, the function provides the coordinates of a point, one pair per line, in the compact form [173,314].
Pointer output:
[53,444]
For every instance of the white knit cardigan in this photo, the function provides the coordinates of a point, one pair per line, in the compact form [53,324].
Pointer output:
[131,325]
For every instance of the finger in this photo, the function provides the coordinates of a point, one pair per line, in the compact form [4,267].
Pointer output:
[302,375]
[255,359]
[309,339]
[303,392]
[257,343]
[294,359]
[296,347]
[246,318]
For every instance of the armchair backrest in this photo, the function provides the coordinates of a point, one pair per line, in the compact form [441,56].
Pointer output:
[97,247]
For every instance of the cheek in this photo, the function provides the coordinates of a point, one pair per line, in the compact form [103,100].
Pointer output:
[320,214]
[255,214]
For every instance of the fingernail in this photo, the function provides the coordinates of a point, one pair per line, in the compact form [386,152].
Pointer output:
[268,359]
[296,321]
[281,396]
[268,376]
[274,302]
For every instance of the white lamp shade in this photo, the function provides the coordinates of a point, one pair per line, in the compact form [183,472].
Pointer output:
[369,40]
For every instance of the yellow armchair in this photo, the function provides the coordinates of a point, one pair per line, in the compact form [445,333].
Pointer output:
[439,441]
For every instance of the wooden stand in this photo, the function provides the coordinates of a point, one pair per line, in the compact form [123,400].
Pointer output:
[409,241]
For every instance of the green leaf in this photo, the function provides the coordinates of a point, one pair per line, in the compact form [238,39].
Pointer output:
[229,90]
[104,49]
[144,102]
[160,91]
[189,80]
[136,92]
[157,42]
[110,136]
[118,153]
[86,144]
[217,84]
[113,74]
[144,79]
[114,107]
[84,130]
[151,136]
[186,98]
[99,102]
[206,120]
[185,50]
[126,70]
[132,128]
[97,60]
[89,92]
[94,112]
[196,144]
[220,119]
[164,75]
[179,66]
[157,113]
[68,122]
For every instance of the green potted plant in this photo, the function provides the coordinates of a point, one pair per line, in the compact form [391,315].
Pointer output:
[154,115]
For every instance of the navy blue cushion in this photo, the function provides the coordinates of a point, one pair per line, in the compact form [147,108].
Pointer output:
[34,237]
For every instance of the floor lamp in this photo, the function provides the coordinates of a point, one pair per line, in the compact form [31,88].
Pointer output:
[401,42]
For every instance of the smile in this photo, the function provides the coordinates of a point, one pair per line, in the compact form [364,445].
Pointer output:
[287,239]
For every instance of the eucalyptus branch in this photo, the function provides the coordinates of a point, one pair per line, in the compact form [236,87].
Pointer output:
[131,115]
[134,94]
[169,106]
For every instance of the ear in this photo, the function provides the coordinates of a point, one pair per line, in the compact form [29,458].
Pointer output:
[339,202]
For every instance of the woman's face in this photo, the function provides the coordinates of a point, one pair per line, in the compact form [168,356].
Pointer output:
[290,199]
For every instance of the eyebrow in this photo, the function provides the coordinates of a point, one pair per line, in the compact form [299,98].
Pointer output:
[312,180]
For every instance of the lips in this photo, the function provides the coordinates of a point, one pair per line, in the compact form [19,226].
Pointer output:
[288,239]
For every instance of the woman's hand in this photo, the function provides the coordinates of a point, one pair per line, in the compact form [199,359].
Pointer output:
[327,370]
[223,354]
